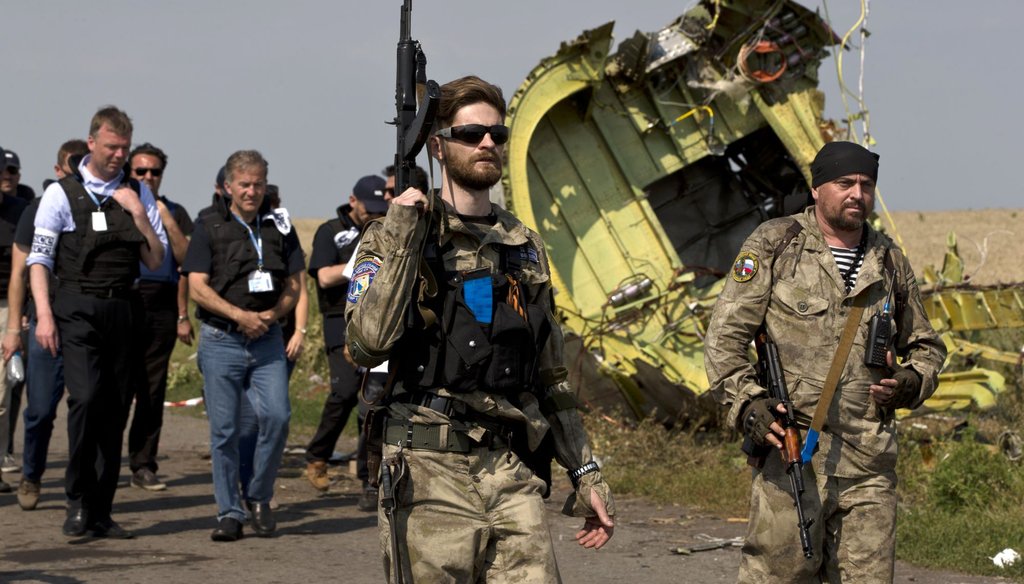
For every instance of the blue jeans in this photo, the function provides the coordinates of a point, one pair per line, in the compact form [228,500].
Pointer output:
[234,366]
[45,387]
[248,432]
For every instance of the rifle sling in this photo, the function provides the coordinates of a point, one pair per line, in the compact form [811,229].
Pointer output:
[839,361]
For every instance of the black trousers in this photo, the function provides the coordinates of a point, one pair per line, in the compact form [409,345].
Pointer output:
[158,333]
[343,397]
[101,365]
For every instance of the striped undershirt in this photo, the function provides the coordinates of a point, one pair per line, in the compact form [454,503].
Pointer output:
[849,262]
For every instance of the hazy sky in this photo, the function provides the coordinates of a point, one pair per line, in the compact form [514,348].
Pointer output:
[311,83]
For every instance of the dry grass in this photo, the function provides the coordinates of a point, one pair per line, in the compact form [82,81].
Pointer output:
[991,241]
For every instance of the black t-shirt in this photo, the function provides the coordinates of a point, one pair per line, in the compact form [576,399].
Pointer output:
[200,253]
[11,210]
[334,243]
[180,215]
[23,236]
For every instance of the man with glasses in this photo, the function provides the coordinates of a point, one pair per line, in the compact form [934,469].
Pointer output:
[165,301]
[457,293]
[91,231]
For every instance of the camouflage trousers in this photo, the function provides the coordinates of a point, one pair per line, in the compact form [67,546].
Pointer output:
[476,517]
[853,535]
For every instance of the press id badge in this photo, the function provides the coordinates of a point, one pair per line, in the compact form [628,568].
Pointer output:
[259,281]
[99,221]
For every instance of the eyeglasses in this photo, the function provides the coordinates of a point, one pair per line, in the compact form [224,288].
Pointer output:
[389,191]
[143,171]
[474,133]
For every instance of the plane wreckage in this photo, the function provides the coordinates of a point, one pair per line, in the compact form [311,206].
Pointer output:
[644,169]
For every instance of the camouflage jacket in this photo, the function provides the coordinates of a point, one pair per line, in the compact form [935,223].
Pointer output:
[381,289]
[801,298]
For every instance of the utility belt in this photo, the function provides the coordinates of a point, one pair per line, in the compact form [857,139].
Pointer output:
[444,437]
[105,292]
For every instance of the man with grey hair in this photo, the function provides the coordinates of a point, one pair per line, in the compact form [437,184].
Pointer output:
[244,269]
[91,230]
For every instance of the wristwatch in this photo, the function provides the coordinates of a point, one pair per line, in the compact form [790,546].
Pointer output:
[302,330]
[576,475]
[183,318]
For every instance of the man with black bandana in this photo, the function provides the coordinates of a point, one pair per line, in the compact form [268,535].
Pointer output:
[803,278]
[457,293]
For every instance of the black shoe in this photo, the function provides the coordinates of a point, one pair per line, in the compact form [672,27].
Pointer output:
[263,522]
[367,500]
[228,529]
[109,528]
[146,479]
[75,524]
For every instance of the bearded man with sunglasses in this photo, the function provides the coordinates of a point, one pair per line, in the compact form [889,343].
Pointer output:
[165,300]
[457,293]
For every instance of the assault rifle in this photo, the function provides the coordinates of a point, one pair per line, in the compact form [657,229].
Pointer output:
[771,377]
[411,86]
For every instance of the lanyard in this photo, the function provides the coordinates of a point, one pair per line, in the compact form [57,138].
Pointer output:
[93,197]
[257,239]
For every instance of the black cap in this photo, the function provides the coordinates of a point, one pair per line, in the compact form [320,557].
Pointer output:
[11,159]
[370,191]
[837,159]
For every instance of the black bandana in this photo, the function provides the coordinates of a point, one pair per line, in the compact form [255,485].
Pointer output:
[837,159]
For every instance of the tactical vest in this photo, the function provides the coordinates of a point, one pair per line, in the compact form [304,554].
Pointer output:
[334,299]
[98,259]
[458,353]
[234,258]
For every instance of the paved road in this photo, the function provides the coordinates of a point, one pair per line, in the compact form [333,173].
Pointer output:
[321,537]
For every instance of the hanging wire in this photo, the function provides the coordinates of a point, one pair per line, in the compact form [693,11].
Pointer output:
[863,114]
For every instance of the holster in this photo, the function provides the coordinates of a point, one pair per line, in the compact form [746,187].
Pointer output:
[373,434]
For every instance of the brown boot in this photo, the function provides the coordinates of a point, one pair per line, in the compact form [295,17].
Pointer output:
[316,472]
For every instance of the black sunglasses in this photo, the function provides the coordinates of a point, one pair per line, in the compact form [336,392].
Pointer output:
[154,171]
[474,133]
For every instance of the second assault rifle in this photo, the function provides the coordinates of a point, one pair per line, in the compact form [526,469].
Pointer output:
[771,377]
[412,124]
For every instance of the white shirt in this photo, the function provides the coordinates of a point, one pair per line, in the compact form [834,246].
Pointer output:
[54,215]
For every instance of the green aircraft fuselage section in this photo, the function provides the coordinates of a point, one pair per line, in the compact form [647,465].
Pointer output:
[586,147]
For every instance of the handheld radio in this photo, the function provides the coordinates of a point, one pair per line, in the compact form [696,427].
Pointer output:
[880,332]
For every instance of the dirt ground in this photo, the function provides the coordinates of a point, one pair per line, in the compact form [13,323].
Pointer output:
[321,537]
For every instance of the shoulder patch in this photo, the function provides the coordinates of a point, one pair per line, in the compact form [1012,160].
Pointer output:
[745,266]
[362,276]
[281,220]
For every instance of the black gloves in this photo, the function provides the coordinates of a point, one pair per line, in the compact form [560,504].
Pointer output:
[908,387]
[758,417]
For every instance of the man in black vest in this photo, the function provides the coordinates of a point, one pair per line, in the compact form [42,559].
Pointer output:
[165,300]
[456,293]
[92,230]
[244,268]
[333,245]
